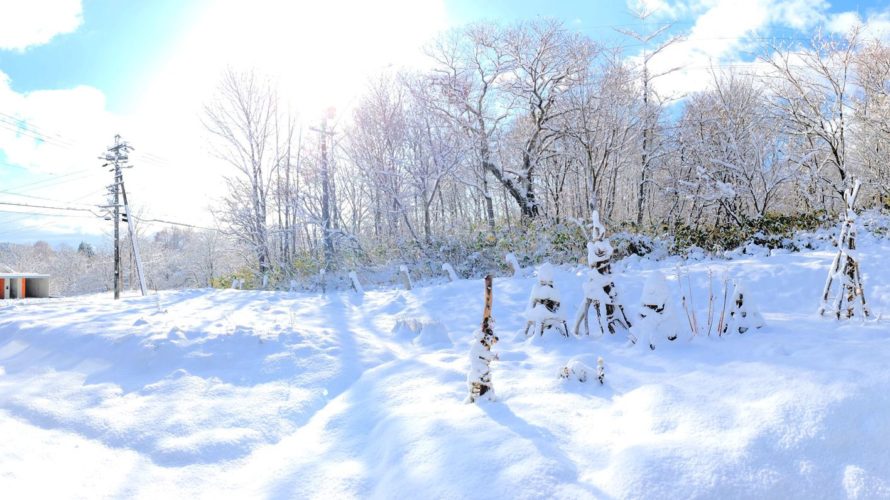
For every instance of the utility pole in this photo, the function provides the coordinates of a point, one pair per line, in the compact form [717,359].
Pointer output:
[326,190]
[117,158]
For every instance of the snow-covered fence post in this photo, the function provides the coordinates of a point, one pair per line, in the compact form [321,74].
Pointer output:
[479,376]
[293,286]
[355,282]
[544,304]
[600,370]
[850,298]
[322,281]
[406,277]
[514,263]
[452,276]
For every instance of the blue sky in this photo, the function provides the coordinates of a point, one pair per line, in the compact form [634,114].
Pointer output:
[120,43]
[115,47]
[75,72]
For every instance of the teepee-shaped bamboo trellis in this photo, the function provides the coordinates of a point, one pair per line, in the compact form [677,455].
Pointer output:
[849,300]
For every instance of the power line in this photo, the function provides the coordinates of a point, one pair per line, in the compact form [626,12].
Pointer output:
[45,214]
[51,181]
[72,209]
[161,221]
[27,126]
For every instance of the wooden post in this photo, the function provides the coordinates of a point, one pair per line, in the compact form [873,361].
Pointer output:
[486,312]
[406,277]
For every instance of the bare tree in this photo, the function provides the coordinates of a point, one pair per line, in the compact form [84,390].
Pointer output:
[813,91]
[654,42]
[241,119]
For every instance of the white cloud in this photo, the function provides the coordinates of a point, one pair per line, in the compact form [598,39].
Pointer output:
[876,25]
[26,23]
[726,33]
[59,156]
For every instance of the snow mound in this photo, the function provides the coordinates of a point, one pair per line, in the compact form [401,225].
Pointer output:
[422,332]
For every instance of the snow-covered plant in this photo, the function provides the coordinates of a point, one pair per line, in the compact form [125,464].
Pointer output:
[742,314]
[849,300]
[575,370]
[600,292]
[600,370]
[543,310]
[656,316]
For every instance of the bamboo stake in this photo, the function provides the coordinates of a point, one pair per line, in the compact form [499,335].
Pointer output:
[710,301]
[720,324]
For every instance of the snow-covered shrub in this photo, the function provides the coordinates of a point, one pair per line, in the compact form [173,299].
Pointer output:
[600,292]
[770,232]
[742,313]
[656,317]
[543,310]
[625,244]
[844,276]
[575,370]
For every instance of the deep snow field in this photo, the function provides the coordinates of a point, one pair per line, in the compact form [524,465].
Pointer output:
[243,394]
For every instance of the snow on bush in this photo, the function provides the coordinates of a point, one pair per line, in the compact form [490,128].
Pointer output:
[575,370]
[656,316]
[742,314]
[544,304]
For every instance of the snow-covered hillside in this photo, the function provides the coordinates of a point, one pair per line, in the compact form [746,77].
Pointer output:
[227,393]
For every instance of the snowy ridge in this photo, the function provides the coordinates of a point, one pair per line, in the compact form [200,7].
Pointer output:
[265,394]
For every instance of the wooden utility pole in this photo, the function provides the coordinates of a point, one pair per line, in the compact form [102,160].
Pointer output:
[117,158]
[326,194]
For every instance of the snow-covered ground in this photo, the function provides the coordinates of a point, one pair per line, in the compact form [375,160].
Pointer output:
[221,394]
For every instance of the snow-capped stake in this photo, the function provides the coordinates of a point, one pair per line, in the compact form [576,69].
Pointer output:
[543,307]
[600,370]
[479,376]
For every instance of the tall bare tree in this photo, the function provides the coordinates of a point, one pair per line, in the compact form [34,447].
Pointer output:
[241,120]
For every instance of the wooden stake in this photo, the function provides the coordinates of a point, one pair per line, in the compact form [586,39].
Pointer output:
[486,312]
